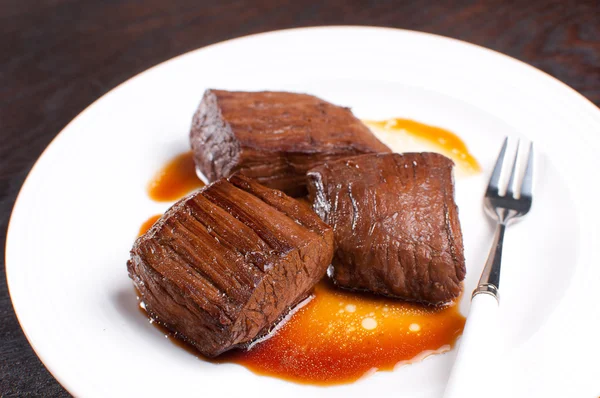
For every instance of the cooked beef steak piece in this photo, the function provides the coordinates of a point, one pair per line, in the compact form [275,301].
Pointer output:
[224,264]
[274,137]
[395,224]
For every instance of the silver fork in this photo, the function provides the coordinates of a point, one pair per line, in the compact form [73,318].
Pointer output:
[504,209]
[476,355]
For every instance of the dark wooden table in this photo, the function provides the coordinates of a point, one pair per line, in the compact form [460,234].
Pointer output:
[58,56]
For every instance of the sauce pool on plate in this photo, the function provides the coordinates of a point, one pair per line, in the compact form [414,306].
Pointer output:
[340,336]
[148,224]
[176,179]
[448,143]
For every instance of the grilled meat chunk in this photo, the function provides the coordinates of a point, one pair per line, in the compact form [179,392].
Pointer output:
[395,224]
[224,264]
[274,137]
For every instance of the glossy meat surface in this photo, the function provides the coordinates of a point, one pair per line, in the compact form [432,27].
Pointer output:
[224,264]
[395,224]
[274,137]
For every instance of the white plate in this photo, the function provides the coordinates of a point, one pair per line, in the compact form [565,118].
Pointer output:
[81,206]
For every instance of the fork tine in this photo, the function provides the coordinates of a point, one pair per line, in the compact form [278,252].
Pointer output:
[510,190]
[495,177]
[526,185]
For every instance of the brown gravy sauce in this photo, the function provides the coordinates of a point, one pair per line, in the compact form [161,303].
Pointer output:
[339,336]
[148,224]
[446,141]
[176,179]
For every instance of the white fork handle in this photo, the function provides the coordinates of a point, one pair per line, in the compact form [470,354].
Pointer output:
[477,352]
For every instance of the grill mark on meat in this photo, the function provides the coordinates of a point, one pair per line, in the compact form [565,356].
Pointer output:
[263,220]
[194,271]
[207,282]
[221,200]
[209,306]
[200,303]
[255,251]
[283,204]
[199,234]
[188,243]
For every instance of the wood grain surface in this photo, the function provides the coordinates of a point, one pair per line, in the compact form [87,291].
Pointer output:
[58,56]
